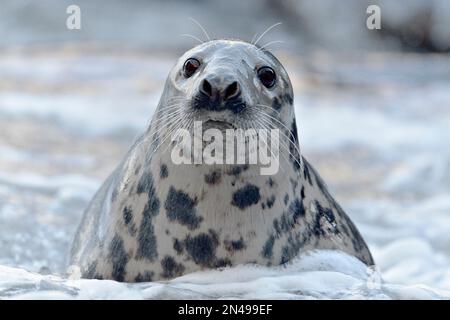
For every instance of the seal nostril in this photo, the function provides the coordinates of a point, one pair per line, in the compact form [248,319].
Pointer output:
[206,88]
[232,91]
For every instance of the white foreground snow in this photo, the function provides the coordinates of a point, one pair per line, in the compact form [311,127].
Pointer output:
[319,275]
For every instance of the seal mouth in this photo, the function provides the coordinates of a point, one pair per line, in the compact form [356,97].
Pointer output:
[218,124]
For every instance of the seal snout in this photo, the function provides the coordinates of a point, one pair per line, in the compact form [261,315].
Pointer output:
[227,92]
[219,94]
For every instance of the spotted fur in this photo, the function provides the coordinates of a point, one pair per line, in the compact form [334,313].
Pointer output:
[154,220]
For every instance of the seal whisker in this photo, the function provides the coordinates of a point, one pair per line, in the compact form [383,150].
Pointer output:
[286,148]
[296,144]
[201,27]
[265,32]
[170,116]
[174,133]
[192,37]
[273,118]
[174,126]
[265,127]
[158,114]
[300,163]
[173,107]
[254,37]
[173,110]
[264,47]
[158,125]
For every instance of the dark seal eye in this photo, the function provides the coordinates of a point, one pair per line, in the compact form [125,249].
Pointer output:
[267,76]
[190,66]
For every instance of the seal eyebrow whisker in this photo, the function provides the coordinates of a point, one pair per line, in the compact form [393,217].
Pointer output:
[265,32]
[254,37]
[192,37]
[201,27]
[264,47]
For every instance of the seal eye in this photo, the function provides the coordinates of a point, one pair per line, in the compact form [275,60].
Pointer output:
[190,66]
[267,76]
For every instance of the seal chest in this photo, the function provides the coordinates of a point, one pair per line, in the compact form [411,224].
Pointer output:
[165,212]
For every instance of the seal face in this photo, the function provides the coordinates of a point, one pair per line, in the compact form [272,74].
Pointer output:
[153,219]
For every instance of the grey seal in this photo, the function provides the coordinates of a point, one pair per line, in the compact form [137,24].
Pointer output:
[154,220]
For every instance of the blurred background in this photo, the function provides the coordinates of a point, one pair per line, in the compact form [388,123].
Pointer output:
[373,112]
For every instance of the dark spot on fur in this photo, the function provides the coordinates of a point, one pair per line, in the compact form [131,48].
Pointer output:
[276,104]
[291,250]
[286,199]
[146,238]
[177,246]
[296,209]
[118,257]
[145,184]
[326,213]
[288,98]
[270,201]
[270,182]
[180,207]
[213,177]
[267,250]
[202,248]
[237,170]
[127,215]
[171,268]
[234,245]
[146,277]
[306,172]
[246,196]
[289,218]
[221,263]
[163,171]
[294,147]
[302,192]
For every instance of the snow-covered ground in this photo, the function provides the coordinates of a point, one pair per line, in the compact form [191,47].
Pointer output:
[376,126]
